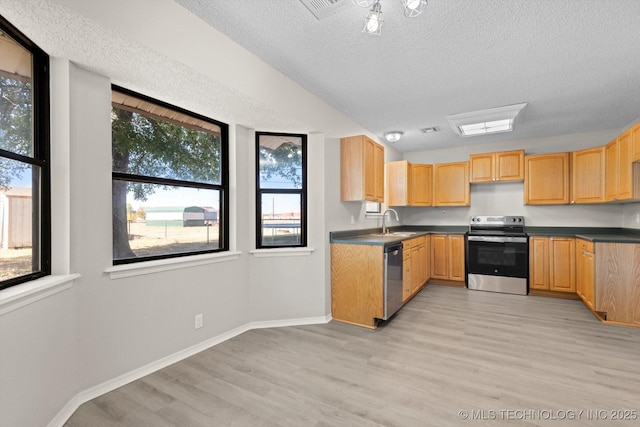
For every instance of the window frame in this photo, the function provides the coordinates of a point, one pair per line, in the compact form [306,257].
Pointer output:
[41,155]
[222,188]
[301,191]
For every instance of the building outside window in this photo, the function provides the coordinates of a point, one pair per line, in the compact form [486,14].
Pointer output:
[281,183]
[25,226]
[170,180]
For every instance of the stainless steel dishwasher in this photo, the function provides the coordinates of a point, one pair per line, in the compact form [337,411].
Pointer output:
[392,279]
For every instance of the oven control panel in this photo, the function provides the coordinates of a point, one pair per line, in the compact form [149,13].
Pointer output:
[496,221]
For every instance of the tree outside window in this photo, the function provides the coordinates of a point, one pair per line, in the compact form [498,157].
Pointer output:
[170,174]
[24,159]
[281,190]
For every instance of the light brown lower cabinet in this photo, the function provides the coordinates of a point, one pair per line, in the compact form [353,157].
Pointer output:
[415,265]
[617,282]
[552,263]
[357,283]
[447,257]
[585,272]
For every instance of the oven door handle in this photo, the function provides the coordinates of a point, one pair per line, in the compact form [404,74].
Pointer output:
[498,239]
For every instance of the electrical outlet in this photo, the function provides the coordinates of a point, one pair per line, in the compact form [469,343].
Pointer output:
[638,218]
[353,220]
[198,321]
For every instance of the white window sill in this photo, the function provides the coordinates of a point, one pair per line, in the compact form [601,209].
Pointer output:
[150,267]
[281,252]
[18,296]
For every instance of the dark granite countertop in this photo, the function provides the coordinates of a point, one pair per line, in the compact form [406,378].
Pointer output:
[593,234]
[371,236]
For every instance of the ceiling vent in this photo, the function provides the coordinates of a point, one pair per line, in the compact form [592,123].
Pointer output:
[324,8]
[429,130]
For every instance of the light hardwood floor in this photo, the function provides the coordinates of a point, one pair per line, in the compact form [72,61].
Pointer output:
[448,350]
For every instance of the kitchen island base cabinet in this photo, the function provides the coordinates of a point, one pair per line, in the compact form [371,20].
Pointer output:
[357,284]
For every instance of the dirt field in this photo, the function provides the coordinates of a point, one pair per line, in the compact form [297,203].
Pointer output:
[144,241]
[14,262]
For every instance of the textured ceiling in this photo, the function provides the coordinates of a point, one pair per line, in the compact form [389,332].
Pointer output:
[575,62]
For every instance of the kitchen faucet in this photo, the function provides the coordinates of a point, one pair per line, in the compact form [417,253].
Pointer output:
[384,215]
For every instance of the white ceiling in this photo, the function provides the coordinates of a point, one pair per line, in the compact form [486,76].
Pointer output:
[575,62]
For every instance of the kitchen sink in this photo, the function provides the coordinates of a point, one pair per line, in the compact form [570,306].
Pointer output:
[396,234]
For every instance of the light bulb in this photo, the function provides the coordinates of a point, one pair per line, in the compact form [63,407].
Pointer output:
[373,22]
[412,4]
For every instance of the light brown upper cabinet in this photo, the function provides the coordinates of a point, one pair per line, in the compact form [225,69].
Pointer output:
[409,184]
[501,166]
[451,184]
[587,177]
[546,179]
[620,169]
[635,142]
[361,169]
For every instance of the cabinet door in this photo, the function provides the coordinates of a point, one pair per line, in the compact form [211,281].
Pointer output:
[625,153]
[585,272]
[451,184]
[546,179]
[420,184]
[406,272]
[587,178]
[427,257]
[611,171]
[562,264]
[482,167]
[439,256]
[361,169]
[373,171]
[416,268]
[635,143]
[509,166]
[456,257]
[398,183]
[378,161]
[539,263]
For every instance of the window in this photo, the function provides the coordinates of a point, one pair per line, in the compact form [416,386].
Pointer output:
[281,183]
[170,180]
[25,227]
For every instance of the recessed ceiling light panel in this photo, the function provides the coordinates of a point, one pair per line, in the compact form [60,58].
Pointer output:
[484,122]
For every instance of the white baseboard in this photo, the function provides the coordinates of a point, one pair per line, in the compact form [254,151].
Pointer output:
[91,393]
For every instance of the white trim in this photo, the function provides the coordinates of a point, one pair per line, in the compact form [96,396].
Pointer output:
[18,296]
[281,252]
[156,266]
[290,322]
[91,393]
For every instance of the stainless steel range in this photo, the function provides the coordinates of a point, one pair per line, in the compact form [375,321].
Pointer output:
[497,254]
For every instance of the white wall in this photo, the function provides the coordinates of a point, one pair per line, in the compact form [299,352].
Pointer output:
[508,198]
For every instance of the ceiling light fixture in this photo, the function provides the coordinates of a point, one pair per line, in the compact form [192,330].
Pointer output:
[393,136]
[373,21]
[484,122]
